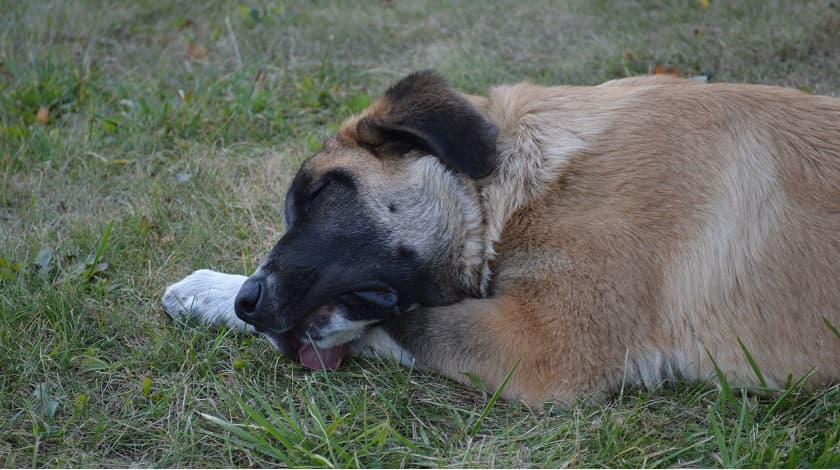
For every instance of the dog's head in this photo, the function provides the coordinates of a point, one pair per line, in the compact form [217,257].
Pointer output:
[385,217]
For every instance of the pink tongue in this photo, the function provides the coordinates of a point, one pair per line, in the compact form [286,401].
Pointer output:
[327,359]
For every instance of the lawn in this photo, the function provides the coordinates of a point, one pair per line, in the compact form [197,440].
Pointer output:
[142,140]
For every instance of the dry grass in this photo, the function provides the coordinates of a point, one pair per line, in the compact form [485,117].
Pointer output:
[188,157]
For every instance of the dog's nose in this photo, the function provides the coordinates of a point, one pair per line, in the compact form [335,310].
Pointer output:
[247,304]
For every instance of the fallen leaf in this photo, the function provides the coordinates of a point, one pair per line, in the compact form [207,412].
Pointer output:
[164,238]
[704,4]
[196,51]
[43,115]
[660,70]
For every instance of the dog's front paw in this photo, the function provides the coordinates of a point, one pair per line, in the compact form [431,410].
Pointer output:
[207,296]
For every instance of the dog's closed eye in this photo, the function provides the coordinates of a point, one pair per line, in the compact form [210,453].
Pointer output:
[323,184]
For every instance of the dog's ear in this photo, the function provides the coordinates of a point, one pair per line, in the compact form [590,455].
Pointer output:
[423,111]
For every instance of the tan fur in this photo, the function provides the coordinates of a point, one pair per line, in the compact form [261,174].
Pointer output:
[632,232]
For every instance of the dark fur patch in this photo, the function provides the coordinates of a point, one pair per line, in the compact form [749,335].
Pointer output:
[422,111]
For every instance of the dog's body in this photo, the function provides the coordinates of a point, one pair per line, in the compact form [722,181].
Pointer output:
[640,230]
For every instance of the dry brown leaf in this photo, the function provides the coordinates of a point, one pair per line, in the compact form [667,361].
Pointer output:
[660,70]
[196,51]
[163,239]
[43,115]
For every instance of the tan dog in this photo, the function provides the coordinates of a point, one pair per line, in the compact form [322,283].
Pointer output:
[626,233]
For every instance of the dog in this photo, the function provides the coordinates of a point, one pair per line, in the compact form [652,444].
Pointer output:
[569,240]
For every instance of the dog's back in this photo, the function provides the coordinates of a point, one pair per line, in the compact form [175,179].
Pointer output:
[691,219]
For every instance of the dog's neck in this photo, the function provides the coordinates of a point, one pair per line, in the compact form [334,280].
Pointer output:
[527,115]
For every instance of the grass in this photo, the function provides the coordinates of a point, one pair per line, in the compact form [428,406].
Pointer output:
[142,140]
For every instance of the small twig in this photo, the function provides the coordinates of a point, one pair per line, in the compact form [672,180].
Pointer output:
[97,156]
[86,56]
[235,44]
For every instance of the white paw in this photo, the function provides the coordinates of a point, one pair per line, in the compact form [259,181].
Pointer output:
[207,296]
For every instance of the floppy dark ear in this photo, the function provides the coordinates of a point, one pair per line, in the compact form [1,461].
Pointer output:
[423,111]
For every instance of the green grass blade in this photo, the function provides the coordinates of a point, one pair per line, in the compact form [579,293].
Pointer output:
[830,456]
[280,416]
[103,243]
[331,444]
[246,438]
[789,390]
[753,364]
[832,327]
[739,428]
[720,438]
[477,425]
[267,426]
[726,390]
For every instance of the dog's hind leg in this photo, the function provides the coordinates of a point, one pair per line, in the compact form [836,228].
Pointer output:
[207,296]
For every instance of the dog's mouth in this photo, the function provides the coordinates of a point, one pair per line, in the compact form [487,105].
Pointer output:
[324,338]
[308,353]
